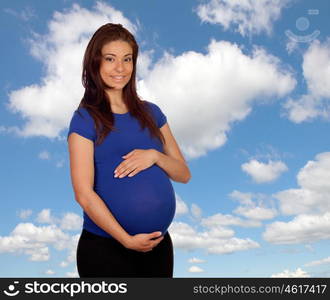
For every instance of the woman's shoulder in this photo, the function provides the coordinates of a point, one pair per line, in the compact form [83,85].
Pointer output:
[82,123]
[82,113]
[153,106]
[82,116]
[157,112]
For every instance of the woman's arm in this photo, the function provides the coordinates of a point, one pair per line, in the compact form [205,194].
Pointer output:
[172,162]
[81,152]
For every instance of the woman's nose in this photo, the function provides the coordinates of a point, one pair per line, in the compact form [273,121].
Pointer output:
[119,66]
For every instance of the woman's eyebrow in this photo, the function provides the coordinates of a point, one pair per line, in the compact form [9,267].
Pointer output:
[116,55]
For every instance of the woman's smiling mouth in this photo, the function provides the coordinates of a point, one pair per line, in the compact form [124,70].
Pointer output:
[118,78]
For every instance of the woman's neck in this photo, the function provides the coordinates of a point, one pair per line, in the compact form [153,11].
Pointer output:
[116,100]
[115,97]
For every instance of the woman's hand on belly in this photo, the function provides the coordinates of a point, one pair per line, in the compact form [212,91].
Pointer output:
[144,242]
[135,162]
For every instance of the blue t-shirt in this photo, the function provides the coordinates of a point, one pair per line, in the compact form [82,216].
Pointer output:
[143,203]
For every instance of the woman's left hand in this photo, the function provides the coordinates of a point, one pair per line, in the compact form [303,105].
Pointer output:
[136,161]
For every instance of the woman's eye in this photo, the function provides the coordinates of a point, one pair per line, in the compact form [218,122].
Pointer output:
[128,59]
[109,59]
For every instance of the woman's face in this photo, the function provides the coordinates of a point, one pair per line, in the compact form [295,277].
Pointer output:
[117,64]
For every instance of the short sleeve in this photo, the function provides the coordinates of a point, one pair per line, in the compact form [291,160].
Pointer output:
[158,114]
[82,123]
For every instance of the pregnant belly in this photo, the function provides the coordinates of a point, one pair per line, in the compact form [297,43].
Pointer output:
[143,203]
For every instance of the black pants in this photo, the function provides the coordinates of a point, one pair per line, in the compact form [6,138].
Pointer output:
[99,256]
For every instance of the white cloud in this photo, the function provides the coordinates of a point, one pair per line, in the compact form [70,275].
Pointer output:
[38,253]
[233,245]
[195,260]
[297,201]
[256,212]
[315,175]
[243,198]
[25,14]
[264,172]
[196,211]
[226,82]
[302,229]
[72,247]
[216,231]
[313,194]
[45,155]
[292,274]
[181,206]
[316,67]
[42,234]
[310,204]
[318,262]
[316,70]
[291,46]
[215,240]
[253,206]
[71,221]
[144,63]
[227,220]
[33,240]
[47,106]
[60,163]
[64,264]
[247,17]
[25,213]
[195,269]
[45,217]
[49,272]
[304,109]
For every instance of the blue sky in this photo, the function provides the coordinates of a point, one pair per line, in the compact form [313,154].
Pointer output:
[246,90]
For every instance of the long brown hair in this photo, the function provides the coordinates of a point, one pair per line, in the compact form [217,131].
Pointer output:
[95,99]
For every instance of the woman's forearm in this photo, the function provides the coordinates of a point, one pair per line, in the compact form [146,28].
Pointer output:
[176,169]
[96,209]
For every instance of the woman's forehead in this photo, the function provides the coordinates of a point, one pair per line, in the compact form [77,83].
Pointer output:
[118,47]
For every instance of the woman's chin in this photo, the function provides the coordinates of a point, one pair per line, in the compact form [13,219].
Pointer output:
[116,85]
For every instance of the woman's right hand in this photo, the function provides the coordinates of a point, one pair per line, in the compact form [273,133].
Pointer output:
[144,242]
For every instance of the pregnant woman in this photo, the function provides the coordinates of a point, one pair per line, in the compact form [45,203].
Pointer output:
[122,157]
